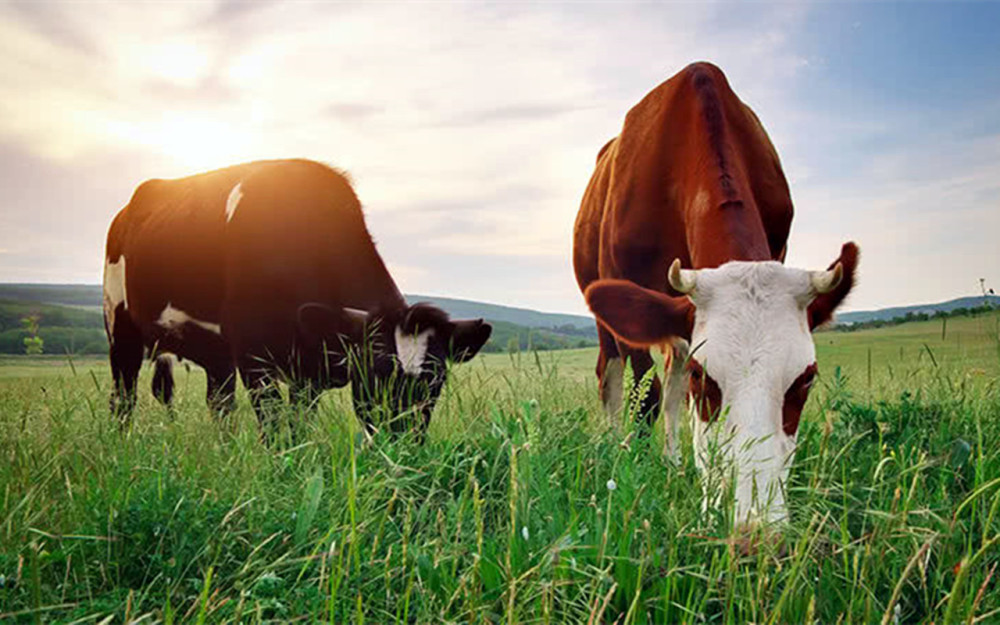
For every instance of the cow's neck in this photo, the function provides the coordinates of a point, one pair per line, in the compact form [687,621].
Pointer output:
[725,231]
[723,220]
[375,289]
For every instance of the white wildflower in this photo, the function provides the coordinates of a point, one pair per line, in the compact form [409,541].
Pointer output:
[612,485]
[524,532]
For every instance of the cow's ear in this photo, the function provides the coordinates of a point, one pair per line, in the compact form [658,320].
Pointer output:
[467,337]
[638,316]
[821,309]
[320,323]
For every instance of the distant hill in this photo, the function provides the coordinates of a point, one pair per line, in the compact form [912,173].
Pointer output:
[73,329]
[70,320]
[461,308]
[89,295]
[885,314]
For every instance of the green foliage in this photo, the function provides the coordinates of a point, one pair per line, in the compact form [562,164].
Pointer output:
[57,341]
[81,331]
[511,338]
[962,311]
[59,329]
[33,344]
[521,507]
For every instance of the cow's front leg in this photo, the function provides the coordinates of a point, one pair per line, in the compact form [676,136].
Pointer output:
[673,398]
[609,376]
[163,379]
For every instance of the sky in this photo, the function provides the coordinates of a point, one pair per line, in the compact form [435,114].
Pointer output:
[470,130]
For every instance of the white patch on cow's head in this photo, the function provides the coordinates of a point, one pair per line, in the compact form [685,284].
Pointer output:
[233,201]
[411,350]
[173,319]
[115,292]
[751,335]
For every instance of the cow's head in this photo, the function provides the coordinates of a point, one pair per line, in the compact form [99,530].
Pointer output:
[752,362]
[395,360]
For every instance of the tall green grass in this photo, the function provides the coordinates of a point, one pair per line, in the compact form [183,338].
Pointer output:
[521,507]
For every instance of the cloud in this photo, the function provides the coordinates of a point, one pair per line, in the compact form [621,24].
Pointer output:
[354,110]
[926,217]
[519,113]
[470,130]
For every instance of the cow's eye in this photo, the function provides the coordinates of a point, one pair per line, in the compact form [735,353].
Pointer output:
[696,371]
[805,381]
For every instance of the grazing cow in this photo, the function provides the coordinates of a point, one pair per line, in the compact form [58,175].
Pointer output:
[267,268]
[693,184]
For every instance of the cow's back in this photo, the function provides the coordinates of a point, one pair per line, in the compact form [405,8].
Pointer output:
[234,252]
[587,229]
[693,176]
[296,236]
[171,236]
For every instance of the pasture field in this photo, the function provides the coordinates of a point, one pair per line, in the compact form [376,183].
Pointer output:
[522,507]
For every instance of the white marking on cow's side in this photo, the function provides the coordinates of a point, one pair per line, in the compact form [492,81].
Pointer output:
[412,350]
[115,292]
[233,201]
[174,318]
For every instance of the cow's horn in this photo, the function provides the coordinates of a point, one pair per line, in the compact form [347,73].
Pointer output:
[358,315]
[826,281]
[683,280]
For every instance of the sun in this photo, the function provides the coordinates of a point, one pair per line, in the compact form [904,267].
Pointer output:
[199,142]
[191,141]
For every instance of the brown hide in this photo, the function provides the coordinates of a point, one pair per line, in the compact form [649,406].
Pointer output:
[693,176]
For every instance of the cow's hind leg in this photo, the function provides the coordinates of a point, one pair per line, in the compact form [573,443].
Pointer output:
[673,398]
[163,379]
[126,360]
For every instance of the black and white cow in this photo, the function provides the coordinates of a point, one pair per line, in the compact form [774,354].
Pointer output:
[267,268]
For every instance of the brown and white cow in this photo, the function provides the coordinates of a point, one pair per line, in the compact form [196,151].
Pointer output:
[680,241]
[267,268]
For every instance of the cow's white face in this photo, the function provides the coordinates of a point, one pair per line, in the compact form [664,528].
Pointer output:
[752,361]
[752,351]
[395,360]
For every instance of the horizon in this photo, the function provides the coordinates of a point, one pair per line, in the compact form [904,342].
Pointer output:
[470,131]
[588,314]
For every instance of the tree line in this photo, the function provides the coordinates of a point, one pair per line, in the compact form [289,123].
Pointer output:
[973,311]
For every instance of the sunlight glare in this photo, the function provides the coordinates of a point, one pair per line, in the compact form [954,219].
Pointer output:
[195,142]
[200,142]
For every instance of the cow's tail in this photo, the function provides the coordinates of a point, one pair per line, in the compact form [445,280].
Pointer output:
[163,378]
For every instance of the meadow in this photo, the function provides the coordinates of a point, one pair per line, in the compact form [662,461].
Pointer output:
[522,507]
